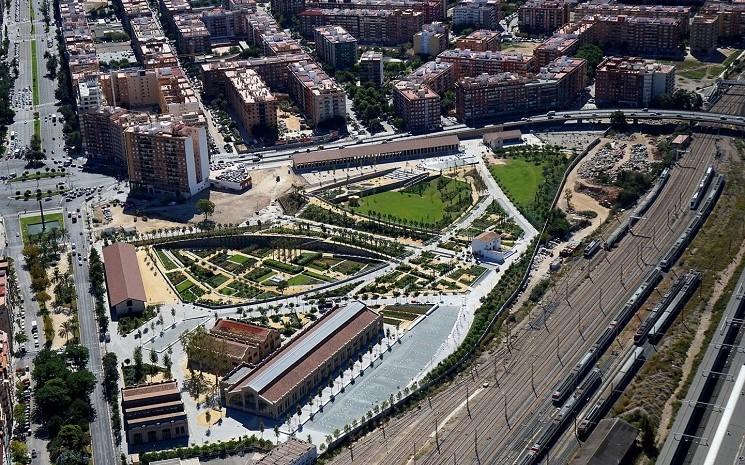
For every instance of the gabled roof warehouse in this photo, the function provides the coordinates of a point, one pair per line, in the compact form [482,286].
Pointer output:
[123,279]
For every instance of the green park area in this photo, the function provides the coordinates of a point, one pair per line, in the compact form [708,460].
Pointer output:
[34,74]
[31,226]
[520,178]
[431,203]
[253,273]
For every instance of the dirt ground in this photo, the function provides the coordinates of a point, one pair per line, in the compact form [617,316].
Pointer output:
[157,289]
[292,121]
[58,317]
[524,47]
[230,207]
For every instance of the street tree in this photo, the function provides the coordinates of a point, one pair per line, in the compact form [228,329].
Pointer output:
[205,207]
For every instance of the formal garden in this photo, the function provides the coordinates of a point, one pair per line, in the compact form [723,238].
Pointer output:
[253,273]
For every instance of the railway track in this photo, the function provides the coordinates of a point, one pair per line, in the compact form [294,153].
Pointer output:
[498,421]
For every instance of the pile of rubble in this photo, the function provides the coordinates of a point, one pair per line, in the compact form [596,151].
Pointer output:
[602,162]
[639,160]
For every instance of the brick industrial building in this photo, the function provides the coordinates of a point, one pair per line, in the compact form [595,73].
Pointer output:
[432,39]
[154,412]
[335,46]
[543,16]
[291,375]
[489,96]
[376,153]
[123,280]
[241,343]
[371,68]
[630,81]
[481,40]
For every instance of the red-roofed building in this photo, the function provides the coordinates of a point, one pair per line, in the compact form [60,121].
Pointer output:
[242,343]
[123,279]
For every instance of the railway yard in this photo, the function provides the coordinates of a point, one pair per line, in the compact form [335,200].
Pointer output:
[502,410]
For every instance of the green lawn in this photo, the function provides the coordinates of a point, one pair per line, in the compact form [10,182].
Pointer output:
[38,175]
[37,126]
[184,285]
[426,203]
[168,264]
[301,280]
[519,178]
[239,259]
[216,280]
[33,222]
[34,75]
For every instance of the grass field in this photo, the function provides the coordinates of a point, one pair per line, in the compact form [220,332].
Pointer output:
[168,264]
[34,75]
[33,220]
[301,280]
[519,178]
[37,127]
[239,259]
[38,174]
[428,206]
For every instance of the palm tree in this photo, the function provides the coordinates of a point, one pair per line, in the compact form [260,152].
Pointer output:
[66,328]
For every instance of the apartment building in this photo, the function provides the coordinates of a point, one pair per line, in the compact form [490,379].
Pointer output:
[242,343]
[88,94]
[371,68]
[167,157]
[491,96]
[543,17]
[470,63]
[432,39]
[7,394]
[375,27]
[9,299]
[438,75]
[167,90]
[225,24]
[292,374]
[154,412]
[418,105]
[335,47]
[102,132]
[648,36]
[680,13]
[482,14]
[481,40]
[251,99]
[319,96]
[718,21]
[272,70]
[192,36]
[432,10]
[632,81]
[287,8]
[279,43]
[169,9]
[704,33]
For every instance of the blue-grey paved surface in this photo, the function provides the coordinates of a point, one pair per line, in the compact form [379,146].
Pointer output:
[396,371]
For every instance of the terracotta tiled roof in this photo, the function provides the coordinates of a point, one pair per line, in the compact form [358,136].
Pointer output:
[123,279]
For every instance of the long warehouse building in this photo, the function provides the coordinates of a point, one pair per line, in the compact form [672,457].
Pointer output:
[385,152]
[293,373]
